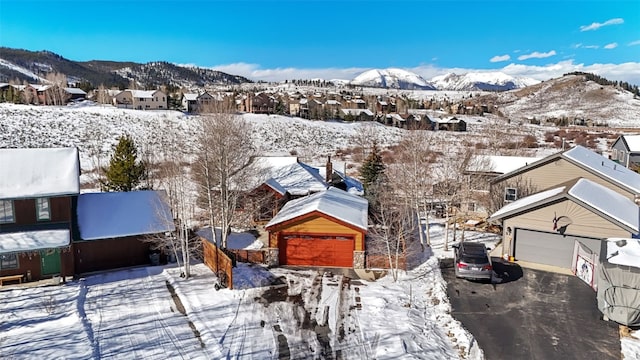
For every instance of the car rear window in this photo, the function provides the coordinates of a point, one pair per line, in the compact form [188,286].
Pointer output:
[469,259]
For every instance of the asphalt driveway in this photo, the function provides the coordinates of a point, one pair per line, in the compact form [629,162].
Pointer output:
[532,314]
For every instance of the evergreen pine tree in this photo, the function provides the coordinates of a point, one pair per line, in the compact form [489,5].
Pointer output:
[125,172]
[372,171]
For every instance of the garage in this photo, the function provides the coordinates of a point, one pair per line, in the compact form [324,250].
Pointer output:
[316,250]
[543,228]
[549,248]
[326,229]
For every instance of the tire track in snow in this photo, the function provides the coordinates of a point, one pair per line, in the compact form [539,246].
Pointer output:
[86,323]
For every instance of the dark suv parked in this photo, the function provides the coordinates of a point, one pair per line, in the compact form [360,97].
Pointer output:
[472,261]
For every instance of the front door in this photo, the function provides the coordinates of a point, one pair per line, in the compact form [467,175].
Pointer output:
[50,259]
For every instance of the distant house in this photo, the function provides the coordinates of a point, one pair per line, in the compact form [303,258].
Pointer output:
[626,150]
[141,99]
[262,103]
[113,227]
[324,229]
[450,124]
[357,114]
[75,94]
[192,103]
[38,191]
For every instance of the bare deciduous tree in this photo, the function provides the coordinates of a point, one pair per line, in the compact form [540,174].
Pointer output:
[414,157]
[56,92]
[392,225]
[225,149]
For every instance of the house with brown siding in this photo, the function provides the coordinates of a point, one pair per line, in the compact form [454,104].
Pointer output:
[38,193]
[324,229]
[116,229]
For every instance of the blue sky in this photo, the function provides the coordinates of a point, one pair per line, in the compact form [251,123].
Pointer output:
[277,40]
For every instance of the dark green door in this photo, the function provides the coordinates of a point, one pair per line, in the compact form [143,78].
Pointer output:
[50,261]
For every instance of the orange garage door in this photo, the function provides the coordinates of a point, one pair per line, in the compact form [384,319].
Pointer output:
[316,251]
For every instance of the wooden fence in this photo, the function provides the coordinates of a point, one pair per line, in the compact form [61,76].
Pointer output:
[249,256]
[219,262]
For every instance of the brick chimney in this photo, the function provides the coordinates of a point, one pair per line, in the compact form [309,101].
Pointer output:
[329,170]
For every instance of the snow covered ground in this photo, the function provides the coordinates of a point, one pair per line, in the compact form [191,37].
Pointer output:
[94,129]
[131,314]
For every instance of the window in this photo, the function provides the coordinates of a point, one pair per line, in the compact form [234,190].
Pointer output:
[621,155]
[8,261]
[42,209]
[510,194]
[6,211]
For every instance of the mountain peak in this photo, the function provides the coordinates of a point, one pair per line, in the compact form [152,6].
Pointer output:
[392,78]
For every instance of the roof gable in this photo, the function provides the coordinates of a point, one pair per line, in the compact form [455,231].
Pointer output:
[338,204]
[39,172]
[600,199]
[119,214]
[604,168]
[590,161]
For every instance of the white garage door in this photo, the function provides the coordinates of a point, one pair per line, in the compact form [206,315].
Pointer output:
[549,248]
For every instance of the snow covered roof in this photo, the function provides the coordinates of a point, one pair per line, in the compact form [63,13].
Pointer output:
[607,168]
[526,202]
[622,251]
[357,112]
[76,91]
[190,97]
[273,183]
[39,172]
[607,202]
[588,193]
[33,240]
[632,141]
[338,204]
[118,214]
[498,164]
[451,120]
[147,94]
[592,162]
[290,175]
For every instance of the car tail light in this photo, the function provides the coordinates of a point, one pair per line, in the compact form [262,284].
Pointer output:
[462,265]
[487,267]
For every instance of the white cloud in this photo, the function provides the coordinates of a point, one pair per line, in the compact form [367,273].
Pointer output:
[611,46]
[537,55]
[499,58]
[596,26]
[634,43]
[583,46]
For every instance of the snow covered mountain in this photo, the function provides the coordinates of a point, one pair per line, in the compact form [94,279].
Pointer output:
[484,81]
[393,79]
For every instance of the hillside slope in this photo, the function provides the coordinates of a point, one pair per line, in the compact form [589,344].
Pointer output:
[573,97]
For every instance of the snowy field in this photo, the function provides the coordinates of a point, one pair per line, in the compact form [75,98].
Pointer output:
[94,129]
[131,314]
[310,314]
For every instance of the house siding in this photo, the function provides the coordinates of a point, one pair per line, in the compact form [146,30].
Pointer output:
[551,174]
[32,262]
[317,225]
[584,222]
[104,254]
